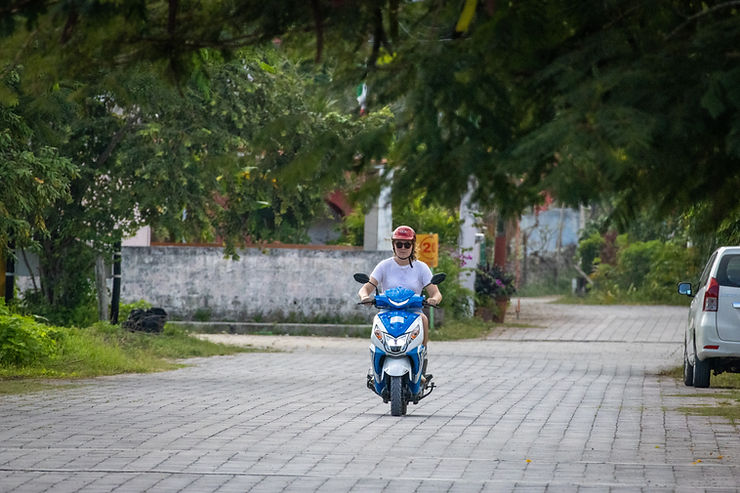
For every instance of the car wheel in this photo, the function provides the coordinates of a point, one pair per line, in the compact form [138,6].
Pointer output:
[688,369]
[701,373]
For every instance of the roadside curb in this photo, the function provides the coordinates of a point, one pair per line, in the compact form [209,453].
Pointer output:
[270,328]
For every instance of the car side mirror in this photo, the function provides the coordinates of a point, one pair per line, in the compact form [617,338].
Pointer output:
[438,278]
[685,289]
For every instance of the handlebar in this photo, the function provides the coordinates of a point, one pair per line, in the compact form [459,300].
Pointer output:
[372,302]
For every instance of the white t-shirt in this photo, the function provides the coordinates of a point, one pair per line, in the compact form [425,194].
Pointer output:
[391,275]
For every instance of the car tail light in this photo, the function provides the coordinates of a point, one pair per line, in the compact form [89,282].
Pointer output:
[711,296]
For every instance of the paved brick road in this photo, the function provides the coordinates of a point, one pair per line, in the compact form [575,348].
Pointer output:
[573,404]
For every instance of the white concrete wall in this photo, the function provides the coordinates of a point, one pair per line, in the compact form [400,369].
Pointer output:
[266,284]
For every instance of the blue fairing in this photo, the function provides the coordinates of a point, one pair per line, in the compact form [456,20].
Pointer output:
[402,305]
[416,361]
[397,322]
[378,366]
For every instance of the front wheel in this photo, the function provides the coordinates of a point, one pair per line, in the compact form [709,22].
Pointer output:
[397,401]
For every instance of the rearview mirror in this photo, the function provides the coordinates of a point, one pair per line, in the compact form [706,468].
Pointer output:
[362,278]
[438,278]
[685,288]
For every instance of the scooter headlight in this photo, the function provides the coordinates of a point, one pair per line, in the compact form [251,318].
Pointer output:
[396,344]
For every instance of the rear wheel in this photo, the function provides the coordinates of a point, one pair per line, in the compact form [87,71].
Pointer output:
[701,373]
[397,401]
[688,368]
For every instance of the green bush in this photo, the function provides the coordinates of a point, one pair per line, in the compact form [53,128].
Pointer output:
[81,314]
[645,271]
[423,217]
[589,250]
[634,262]
[427,218]
[24,341]
[454,296]
[491,282]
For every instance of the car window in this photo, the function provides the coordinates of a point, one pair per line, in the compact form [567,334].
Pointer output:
[728,273]
[705,274]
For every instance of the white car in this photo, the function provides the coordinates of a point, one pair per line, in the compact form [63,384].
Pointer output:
[712,340]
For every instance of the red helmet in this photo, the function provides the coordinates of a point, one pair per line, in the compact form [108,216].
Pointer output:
[403,233]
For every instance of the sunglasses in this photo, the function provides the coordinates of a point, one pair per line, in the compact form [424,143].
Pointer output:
[403,244]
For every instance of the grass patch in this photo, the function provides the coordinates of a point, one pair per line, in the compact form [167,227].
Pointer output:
[106,349]
[455,330]
[26,385]
[727,403]
[626,297]
[726,406]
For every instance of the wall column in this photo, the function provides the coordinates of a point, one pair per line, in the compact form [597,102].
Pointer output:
[469,242]
[379,221]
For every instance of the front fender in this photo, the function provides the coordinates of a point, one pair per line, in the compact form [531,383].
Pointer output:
[396,367]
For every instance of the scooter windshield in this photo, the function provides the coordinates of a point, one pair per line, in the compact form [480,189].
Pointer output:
[399,298]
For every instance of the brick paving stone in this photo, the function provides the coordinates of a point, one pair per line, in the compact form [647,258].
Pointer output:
[238,483]
[11,480]
[569,399]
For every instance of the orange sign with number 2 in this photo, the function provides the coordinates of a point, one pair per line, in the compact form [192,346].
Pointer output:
[427,249]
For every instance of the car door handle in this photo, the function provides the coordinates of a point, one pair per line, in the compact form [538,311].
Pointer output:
[736,305]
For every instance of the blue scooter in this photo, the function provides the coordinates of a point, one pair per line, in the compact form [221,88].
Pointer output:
[397,355]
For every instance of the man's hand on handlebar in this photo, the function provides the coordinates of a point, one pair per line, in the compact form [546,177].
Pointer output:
[431,301]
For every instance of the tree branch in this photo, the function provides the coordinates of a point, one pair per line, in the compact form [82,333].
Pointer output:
[172,18]
[319,29]
[732,3]
[13,9]
[377,37]
[69,26]
[490,7]
[235,42]
[117,137]
[393,20]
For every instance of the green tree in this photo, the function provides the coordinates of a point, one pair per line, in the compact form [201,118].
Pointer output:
[33,177]
[203,161]
[634,101]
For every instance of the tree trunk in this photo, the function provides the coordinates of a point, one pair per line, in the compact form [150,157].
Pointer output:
[10,273]
[101,288]
[116,299]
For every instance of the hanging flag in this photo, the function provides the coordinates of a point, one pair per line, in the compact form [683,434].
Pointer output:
[362,97]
